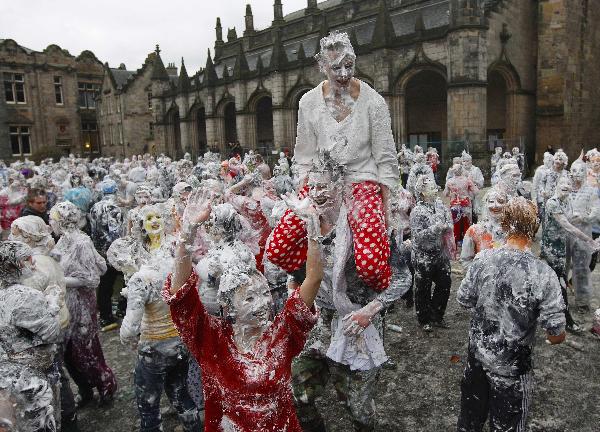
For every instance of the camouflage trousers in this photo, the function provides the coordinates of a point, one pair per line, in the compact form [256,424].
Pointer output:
[311,371]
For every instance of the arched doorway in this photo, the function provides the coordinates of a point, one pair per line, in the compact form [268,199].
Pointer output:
[426,112]
[264,126]
[496,109]
[230,125]
[174,134]
[200,121]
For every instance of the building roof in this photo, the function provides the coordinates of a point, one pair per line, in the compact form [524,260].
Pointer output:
[434,13]
[27,50]
[322,6]
[121,76]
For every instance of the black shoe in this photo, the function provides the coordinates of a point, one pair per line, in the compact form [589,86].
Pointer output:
[427,328]
[69,424]
[574,328]
[441,324]
[390,364]
[107,401]
[83,399]
[583,310]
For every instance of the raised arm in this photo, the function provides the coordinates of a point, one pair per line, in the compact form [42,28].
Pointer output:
[196,212]
[576,232]
[314,274]
[306,210]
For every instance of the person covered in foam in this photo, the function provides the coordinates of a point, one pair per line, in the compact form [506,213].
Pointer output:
[245,355]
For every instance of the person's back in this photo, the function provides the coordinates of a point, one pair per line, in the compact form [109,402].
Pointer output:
[29,327]
[106,223]
[509,292]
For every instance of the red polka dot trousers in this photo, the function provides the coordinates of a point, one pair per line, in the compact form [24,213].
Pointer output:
[288,246]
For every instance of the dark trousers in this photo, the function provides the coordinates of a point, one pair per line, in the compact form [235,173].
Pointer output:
[84,358]
[67,400]
[505,400]
[595,254]
[404,178]
[562,277]
[355,389]
[164,365]
[431,302]
[105,292]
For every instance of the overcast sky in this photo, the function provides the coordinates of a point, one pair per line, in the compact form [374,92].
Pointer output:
[125,31]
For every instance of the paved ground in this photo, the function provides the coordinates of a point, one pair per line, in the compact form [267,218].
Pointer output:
[423,393]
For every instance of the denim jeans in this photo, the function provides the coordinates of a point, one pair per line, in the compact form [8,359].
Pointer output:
[163,364]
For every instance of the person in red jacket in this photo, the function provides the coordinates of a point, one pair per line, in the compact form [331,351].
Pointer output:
[245,356]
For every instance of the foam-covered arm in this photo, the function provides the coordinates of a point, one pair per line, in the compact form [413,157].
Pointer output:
[306,143]
[383,147]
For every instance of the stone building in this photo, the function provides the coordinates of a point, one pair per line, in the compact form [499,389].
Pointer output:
[48,100]
[568,94]
[456,74]
[125,106]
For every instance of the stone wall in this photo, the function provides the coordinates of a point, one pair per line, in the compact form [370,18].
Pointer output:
[512,53]
[124,115]
[568,111]
[137,116]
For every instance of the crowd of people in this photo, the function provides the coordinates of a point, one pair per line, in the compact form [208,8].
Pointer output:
[247,288]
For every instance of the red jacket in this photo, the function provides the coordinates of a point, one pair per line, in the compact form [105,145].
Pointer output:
[250,390]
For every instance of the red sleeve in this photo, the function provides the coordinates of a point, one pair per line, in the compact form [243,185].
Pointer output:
[299,320]
[288,247]
[187,312]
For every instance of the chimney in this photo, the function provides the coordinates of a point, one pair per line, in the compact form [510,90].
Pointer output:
[171,69]
[231,35]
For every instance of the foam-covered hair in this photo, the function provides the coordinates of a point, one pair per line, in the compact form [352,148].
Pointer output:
[179,188]
[562,156]
[520,218]
[593,154]
[66,214]
[507,166]
[12,255]
[224,217]
[34,228]
[144,189]
[137,175]
[420,184]
[335,41]
[108,186]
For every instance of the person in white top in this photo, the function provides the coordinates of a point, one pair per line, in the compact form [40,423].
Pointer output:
[475,174]
[350,121]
